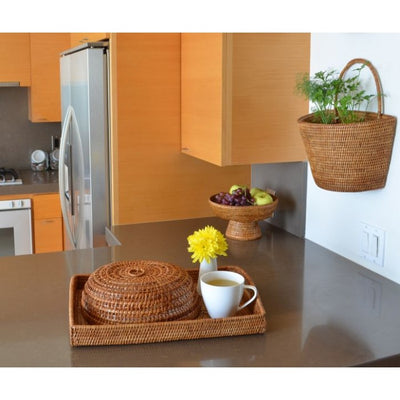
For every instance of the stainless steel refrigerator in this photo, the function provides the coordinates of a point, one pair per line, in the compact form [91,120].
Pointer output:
[84,146]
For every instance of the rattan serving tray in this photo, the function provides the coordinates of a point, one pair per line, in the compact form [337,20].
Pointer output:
[250,320]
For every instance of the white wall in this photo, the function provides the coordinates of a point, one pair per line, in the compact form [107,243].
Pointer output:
[333,219]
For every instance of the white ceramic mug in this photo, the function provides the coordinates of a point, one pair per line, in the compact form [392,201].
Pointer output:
[222,292]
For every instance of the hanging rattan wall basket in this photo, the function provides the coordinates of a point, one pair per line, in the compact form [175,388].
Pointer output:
[351,157]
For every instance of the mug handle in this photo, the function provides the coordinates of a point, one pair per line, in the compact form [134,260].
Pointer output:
[254,289]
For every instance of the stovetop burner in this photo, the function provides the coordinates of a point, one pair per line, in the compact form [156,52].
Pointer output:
[9,176]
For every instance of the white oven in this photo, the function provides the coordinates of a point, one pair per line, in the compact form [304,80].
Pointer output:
[15,227]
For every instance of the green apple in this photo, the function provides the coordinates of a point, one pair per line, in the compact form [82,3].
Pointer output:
[234,187]
[255,190]
[262,198]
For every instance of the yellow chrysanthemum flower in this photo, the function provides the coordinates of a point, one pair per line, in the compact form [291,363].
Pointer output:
[207,243]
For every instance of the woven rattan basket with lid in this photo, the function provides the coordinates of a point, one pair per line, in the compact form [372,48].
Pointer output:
[139,291]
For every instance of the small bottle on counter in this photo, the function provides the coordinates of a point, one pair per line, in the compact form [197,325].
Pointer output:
[54,157]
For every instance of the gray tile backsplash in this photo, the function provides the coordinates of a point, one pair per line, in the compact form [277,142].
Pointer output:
[289,180]
[18,136]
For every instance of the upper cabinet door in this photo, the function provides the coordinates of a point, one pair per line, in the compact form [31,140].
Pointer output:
[238,102]
[44,94]
[15,58]
[203,97]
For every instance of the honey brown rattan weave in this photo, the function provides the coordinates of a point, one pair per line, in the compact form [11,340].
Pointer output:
[139,291]
[243,220]
[248,321]
[351,157]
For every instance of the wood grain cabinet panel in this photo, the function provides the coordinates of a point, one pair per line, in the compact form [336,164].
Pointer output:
[152,179]
[44,93]
[238,100]
[15,58]
[47,223]
[78,38]
[48,235]
[47,206]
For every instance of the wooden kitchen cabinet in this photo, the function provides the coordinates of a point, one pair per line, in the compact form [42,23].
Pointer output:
[47,223]
[78,38]
[47,235]
[15,58]
[238,103]
[146,156]
[44,93]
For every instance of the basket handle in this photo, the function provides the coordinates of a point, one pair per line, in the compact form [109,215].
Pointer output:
[374,74]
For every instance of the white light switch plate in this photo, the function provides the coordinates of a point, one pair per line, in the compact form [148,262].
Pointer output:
[372,243]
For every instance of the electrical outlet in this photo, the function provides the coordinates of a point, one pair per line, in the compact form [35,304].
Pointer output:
[372,243]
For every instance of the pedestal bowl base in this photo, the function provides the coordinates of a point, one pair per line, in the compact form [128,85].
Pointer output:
[243,230]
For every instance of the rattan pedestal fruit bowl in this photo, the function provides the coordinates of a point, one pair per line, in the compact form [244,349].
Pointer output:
[139,291]
[243,220]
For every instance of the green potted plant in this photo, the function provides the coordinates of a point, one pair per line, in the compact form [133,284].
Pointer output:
[348,149]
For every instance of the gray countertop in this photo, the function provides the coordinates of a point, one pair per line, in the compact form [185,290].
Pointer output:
[33,182]
[322,310]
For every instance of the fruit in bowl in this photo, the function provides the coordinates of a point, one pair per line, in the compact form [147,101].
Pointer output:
[243,208]
[260,196]
[243,196]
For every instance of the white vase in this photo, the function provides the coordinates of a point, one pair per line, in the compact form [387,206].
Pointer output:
[206,266]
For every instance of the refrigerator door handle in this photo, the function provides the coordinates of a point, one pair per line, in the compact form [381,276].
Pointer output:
[67,192]
[70,183]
